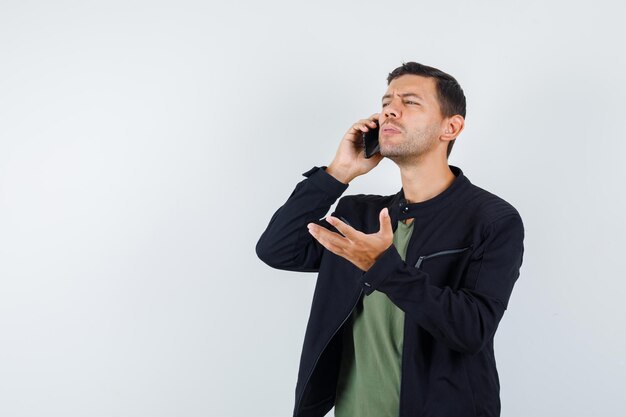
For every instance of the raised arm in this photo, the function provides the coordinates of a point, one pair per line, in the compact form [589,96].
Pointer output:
[286,243]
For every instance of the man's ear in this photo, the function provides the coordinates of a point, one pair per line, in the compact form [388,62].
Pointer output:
[453,126]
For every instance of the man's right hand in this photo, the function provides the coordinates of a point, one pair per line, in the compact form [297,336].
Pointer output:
[350,161]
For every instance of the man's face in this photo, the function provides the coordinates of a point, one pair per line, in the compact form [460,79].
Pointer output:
[410,120]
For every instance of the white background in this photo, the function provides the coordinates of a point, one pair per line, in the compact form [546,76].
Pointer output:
[144,146]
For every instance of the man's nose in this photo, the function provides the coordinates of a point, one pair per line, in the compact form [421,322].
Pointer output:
[391,111]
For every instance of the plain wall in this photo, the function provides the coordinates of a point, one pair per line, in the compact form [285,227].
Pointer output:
[144,146]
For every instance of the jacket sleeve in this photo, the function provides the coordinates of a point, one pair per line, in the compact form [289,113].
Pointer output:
[464,320]
[286,242]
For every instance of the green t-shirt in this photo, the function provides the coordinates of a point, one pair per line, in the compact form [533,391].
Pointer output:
[369,378]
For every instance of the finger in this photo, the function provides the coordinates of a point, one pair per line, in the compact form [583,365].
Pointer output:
[345,229]
[368,121]
[385,222]
[330,240]
[337,250]
[359,127]
[363,125]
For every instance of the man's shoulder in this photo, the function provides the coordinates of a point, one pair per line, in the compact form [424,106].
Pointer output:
[489,206]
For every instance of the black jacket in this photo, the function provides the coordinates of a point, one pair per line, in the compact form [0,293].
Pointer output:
[462,261]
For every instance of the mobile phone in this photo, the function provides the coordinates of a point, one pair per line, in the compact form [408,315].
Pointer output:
[370,141]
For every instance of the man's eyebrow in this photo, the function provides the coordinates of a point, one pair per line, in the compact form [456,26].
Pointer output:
[405,95]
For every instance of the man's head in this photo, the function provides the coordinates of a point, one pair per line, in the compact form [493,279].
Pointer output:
[427,108]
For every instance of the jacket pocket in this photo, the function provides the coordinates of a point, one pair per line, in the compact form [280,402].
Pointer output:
[446,267]
[440,253]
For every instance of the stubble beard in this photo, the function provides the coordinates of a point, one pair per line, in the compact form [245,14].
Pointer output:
[412,147]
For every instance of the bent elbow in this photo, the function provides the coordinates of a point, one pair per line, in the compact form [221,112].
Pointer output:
[272,256]
[263,252]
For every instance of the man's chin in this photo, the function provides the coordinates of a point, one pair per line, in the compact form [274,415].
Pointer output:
[392,152]
[394,156]
[399,156]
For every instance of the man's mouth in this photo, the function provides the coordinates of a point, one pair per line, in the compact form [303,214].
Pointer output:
[390,130]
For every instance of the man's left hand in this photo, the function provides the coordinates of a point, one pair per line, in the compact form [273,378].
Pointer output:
[357,247]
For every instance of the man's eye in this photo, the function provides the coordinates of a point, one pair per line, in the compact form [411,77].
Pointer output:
[384,104]
[412,102]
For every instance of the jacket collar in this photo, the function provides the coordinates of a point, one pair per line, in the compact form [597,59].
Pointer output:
[400,209]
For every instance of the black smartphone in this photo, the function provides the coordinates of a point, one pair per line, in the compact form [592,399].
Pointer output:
[370,141]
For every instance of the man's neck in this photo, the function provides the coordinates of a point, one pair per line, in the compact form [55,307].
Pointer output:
[425,180]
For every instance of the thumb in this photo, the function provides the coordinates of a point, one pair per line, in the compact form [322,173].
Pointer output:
[385,222]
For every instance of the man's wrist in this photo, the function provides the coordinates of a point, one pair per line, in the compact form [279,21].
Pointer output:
[341,175]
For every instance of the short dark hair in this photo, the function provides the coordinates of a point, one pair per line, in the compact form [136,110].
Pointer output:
[449,92]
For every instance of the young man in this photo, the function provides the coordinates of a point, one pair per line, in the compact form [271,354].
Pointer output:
[411,286]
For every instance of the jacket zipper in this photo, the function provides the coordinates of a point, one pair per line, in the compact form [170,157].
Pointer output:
[443,252]
[325,346]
